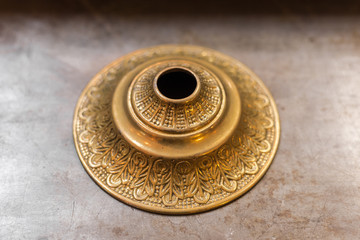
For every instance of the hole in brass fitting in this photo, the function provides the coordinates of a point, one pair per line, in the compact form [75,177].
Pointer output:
[176,83]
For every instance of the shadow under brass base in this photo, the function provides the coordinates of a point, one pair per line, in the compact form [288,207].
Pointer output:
[117,148]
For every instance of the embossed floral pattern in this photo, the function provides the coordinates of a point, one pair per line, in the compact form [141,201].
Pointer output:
[167,184]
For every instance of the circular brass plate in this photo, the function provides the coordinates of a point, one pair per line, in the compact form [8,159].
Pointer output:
[176,186]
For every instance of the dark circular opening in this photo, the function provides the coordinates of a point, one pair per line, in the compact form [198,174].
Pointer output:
[176,83]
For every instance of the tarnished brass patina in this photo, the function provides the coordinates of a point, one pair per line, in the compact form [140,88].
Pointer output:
[176,129]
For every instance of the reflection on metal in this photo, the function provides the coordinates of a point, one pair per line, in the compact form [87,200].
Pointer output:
[176,129]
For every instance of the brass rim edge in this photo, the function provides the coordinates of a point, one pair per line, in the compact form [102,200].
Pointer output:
[214,205]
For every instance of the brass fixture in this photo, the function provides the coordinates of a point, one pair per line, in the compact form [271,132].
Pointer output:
[176,129]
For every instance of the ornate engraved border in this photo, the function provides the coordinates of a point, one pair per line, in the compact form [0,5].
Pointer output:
[168,116]
[176,186]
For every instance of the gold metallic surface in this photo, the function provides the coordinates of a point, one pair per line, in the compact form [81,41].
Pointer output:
[209,116]
[176,156]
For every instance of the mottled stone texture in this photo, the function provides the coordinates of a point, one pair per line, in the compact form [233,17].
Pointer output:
[310,63]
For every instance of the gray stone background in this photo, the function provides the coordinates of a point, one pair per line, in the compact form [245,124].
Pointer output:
[306,52]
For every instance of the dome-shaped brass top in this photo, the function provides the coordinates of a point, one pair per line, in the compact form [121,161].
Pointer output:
[176,129]
[166,126]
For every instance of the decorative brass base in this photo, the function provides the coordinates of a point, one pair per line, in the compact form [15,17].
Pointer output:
[170,155]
